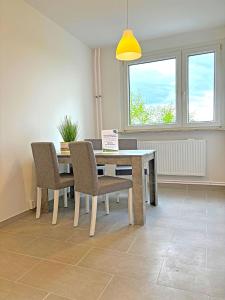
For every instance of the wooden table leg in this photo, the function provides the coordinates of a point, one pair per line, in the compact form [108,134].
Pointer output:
[44,201]
[153,182]
[138,190]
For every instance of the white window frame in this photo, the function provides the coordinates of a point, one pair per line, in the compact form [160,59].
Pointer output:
[181,56]
[216,48]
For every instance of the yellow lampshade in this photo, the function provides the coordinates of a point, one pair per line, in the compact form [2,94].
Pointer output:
[128,47]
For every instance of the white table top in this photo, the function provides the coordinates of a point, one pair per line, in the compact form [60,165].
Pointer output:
[114,153]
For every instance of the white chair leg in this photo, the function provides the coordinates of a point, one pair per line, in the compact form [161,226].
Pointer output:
[130,206]
[65,198]
[117,197]
[77,209]
[107,204]
[87,206]
[93,215]
[55,207]
[38,209]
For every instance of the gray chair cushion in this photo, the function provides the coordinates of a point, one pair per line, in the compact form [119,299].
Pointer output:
[65,180]
[110,184]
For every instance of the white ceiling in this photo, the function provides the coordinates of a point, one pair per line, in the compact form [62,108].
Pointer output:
[100,22]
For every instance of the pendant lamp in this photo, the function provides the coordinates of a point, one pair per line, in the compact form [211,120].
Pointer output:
[128,47]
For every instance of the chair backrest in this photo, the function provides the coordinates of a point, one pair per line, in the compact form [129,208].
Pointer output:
[127,144]
[46,165]
[84,167]
[96,143]
[124,144]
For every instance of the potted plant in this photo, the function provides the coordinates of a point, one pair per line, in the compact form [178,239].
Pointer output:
[68,131]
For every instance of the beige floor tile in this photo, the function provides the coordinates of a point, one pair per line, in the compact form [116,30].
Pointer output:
[157,249]
[216,258]
[32,228]
[13,266]
[215,198]
[216,211]
[190,255]
[15,291]
[64,216]
[60,251]
[214,220]
[177,223]
[132,289]
[217,216]
[122,264]
[192,278]
[172,211]
[173,195]
[215,228]
[189,212]
[191,237]
[67,281]
[215,240]
[15,242]
[55,297]
[117,225]
[81,236]
[196,194]
[155,233]
[105,223]
[61,232]
[118,240]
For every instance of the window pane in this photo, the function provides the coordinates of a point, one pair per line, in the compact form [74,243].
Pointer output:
[153,92]
[201,87]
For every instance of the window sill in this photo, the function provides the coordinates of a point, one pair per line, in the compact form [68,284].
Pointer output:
[174,129]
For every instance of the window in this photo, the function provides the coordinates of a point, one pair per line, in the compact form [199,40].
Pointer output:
[201,87]
[176,89]
[153,92]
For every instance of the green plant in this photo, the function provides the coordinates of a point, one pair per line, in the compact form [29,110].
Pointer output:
[167,114]
[68,130]
[138,112]
[142,114]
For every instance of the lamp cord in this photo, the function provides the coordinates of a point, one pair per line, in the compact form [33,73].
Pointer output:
[127,14]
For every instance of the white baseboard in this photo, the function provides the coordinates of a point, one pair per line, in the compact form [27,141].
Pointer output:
[191,182]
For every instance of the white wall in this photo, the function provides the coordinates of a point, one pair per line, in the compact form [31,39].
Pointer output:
[112,98]
[45,73]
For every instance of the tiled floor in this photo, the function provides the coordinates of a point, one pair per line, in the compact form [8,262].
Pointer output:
[178,255]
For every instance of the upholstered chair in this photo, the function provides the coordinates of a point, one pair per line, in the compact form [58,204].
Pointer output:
[48,176]
[88,182]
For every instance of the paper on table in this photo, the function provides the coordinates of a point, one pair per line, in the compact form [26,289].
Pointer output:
[110,140]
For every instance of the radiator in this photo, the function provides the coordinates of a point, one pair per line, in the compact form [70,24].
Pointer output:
[180,157]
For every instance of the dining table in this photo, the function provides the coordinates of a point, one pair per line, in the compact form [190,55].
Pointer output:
[139,160]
